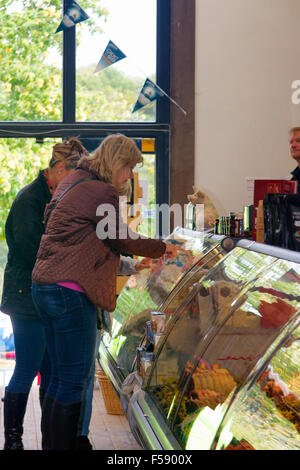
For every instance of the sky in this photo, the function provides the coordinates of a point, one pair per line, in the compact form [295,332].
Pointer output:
[131,25]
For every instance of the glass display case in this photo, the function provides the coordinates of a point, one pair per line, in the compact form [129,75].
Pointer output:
[224,352]
[265,414]
[232,317]
[154,289]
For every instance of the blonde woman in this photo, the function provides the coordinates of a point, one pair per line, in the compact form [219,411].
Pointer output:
[76,271]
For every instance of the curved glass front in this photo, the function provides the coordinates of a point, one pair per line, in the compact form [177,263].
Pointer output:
[265,415]
[147,291]
[219,334]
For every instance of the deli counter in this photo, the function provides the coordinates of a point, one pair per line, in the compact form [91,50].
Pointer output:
[203,349]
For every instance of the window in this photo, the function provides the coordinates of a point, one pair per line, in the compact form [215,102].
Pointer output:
[110,95]
[48,89]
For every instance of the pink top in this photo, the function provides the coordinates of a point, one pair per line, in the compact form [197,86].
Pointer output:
[71,285]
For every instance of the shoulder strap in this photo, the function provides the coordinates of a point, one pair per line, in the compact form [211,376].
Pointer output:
[62,195]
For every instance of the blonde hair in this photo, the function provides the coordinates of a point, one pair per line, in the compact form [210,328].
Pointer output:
[70,152]
[114,152]
[126,190]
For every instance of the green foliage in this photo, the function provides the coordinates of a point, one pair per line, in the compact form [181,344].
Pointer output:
[109,96]
[30,85]
[20,161]
[29,88]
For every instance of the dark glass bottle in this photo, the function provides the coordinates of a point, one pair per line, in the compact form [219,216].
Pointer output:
[232,224]
[216,226]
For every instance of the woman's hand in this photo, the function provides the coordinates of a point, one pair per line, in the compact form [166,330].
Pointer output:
[171,250]
[144,263]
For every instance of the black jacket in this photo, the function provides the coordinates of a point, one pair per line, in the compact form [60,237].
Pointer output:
[23,230]
[296,177]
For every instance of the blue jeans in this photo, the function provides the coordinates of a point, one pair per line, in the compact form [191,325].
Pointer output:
[70,322]
[31,355]
[86,411]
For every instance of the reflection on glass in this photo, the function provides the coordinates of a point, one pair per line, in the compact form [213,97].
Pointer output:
[147,183]
[31,64]
[110,95]
[265,415]
[185,285]
[147,291]
[217,339]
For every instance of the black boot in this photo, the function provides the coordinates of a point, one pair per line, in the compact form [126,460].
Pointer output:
[14,412]
[41,396]
[83,443]
[46,421]
[65,424]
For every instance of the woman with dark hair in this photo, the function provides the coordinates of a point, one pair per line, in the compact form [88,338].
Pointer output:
[23,229]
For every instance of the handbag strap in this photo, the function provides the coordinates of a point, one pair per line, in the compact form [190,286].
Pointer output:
[62,195]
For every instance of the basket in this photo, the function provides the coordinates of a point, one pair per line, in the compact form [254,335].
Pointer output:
[111,401]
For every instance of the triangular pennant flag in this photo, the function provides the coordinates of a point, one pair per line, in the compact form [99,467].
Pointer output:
[110,56]
[149,93]
[74,14]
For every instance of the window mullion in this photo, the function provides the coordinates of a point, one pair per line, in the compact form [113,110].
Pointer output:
[163,59]
[69,71]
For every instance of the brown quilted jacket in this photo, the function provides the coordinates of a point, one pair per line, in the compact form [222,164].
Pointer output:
[70,249]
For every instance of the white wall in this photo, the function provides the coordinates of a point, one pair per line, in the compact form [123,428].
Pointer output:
[247,56]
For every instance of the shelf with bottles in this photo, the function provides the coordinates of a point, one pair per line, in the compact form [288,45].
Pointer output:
[235,225]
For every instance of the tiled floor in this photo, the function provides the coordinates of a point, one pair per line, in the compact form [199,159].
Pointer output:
[107,432]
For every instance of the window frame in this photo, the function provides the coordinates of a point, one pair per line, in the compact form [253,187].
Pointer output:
[160,129]
[68,124]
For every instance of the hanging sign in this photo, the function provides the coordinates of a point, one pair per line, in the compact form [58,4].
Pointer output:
[150,92]
[74,14]
[110,56]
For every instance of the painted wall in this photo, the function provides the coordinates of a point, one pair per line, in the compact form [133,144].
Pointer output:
[247,56]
